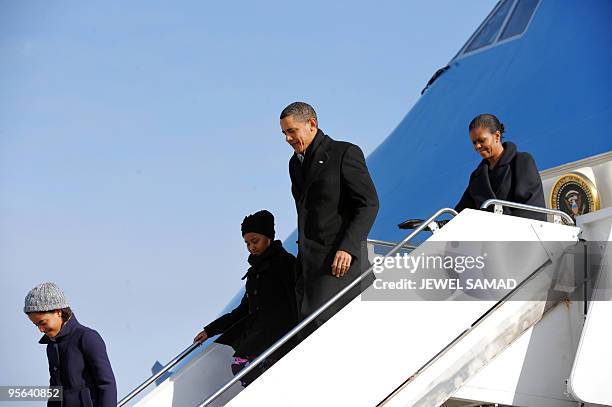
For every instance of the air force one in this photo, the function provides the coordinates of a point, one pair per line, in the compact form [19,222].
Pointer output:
[543,67]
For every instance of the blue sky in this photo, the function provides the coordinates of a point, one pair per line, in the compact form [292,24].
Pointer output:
[135,136]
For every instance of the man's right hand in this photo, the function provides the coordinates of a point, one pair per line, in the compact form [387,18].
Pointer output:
[201,337]
[341,263]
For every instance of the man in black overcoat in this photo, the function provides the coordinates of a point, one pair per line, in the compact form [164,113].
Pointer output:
[336,205]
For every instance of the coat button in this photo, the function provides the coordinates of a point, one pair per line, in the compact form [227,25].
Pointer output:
[255,292]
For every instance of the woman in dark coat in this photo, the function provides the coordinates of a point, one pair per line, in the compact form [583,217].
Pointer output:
[504,173]
[268,308]
[77,355]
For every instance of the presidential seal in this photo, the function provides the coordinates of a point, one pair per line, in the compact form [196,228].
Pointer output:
[575,195]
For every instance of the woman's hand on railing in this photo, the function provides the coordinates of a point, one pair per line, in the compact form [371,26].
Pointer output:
[201,337]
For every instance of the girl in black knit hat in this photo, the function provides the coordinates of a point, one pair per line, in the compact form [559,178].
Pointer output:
[268,308]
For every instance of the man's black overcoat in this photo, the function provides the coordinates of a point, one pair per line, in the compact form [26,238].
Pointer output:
[336,205]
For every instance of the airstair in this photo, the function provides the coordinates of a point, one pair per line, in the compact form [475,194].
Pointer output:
[511,346]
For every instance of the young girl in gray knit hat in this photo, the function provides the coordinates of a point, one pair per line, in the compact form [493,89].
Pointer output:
[77,355]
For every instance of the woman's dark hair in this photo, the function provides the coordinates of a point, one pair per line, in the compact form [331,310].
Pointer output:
[487,121]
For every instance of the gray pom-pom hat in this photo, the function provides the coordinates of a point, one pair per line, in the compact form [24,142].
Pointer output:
[45,297]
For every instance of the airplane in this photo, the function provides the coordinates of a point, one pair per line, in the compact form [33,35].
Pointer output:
[542,67]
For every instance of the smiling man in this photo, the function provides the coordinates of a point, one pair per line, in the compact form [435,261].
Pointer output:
[336,204]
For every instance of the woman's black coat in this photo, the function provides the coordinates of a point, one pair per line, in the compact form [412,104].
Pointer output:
[78,362]
[268,308]
[514,178]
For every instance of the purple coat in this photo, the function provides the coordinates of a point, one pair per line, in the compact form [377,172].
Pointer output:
[78,362]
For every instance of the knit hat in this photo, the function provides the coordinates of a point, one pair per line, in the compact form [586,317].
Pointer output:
[261,222]
[45,297]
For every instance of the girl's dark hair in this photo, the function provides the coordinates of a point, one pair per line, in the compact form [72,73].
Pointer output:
[487,121]
[66,314]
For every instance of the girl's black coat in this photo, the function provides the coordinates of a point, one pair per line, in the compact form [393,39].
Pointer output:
[78,362]
[268,308]
[514,178]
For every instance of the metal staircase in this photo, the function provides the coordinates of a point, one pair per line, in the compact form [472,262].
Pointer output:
[402,353]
